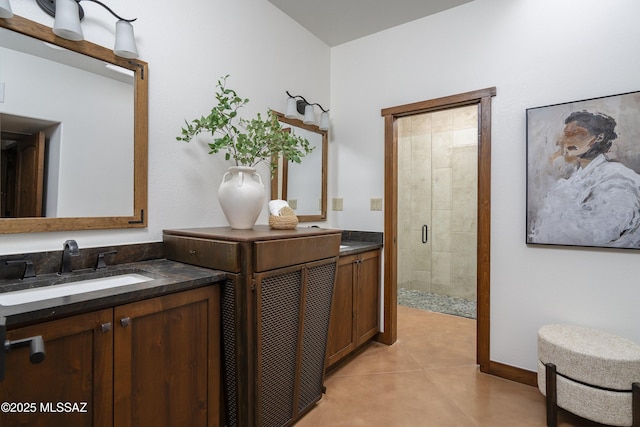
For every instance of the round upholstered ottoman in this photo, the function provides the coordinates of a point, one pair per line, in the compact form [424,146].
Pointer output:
[589,373]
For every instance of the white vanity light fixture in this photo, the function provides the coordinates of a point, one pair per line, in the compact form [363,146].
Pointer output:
[69,13]
[67,23]
[309,115]
[125,40]
[324,120]
[5,9]
[302,106]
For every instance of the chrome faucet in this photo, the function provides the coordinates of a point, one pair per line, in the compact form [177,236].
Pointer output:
[69,249]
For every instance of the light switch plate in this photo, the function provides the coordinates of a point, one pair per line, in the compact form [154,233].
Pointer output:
[293,204]
[1,92]
[376,204]
[336,204]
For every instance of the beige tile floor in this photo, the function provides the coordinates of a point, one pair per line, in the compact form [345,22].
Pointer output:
[427,378]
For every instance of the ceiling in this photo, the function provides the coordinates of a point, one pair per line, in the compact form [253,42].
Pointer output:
[339,21]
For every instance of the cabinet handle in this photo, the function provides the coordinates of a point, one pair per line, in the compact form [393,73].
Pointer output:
[125,322]
[105,327]
[35,344]
[425,233]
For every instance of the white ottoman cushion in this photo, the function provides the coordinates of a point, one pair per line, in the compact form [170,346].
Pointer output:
[603,406]
[593,357]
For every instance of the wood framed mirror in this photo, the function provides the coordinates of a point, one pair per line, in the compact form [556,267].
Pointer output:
[87,109]
[304,185]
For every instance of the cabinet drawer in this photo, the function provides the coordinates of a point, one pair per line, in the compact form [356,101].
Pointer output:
[272,254]
[215,254]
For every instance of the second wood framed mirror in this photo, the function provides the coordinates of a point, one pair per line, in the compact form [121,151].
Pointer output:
[304,185]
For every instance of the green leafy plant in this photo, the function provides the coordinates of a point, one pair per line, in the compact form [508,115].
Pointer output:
[247,142]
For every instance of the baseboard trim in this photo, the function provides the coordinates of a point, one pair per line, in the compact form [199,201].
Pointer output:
[514,374]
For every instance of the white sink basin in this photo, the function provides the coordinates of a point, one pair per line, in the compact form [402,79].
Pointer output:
[71,288]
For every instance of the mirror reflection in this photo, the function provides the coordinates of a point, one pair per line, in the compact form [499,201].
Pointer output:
[61,155]
[304,185]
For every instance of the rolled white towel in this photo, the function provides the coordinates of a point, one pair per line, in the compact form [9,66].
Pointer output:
[276,205]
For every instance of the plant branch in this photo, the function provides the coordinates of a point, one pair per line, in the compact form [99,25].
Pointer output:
[247,142]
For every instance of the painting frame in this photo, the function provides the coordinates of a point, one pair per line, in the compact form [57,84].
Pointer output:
[583,173]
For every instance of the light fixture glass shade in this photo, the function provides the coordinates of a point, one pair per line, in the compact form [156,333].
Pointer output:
[324,121]
[67,22]
[292,109]
[5,9]
[125,40]
[309,116]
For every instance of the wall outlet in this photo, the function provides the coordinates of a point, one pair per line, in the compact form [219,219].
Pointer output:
[376,204]
[336,204]
[293,204]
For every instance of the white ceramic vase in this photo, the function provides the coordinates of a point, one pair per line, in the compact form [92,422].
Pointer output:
[242,196]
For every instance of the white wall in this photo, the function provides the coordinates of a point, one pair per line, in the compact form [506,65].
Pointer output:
[188,46]
[535,52]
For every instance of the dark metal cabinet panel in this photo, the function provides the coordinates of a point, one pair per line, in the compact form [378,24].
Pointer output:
[292,322]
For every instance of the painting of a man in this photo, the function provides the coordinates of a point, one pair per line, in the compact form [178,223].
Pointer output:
[584,194]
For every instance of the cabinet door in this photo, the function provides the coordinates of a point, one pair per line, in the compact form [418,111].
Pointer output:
[73,385]
[278,299]
[341,327]
[292,316]
[367,300]
[320,282]
[167,360]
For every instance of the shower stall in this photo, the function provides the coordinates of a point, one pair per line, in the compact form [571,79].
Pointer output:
[437,210]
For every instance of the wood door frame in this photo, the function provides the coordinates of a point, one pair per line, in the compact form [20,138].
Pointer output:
[31,192]
[482,98]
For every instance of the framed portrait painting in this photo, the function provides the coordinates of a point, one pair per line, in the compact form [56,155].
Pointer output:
[583,173]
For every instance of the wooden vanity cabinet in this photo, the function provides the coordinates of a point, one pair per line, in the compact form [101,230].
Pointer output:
[155,362]
[78,368]
[167,360]
[356,305]
[276,306]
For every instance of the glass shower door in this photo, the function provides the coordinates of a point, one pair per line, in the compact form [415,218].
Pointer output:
[437,209]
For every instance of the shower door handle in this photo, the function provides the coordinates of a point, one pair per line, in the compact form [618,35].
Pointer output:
[425,233]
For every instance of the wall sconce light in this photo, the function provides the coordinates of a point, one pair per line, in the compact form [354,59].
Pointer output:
[295,106]
[69,13]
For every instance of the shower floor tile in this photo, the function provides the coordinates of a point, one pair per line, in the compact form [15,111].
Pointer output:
[437,303]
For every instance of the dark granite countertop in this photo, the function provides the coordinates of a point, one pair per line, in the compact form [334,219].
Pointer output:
[354,247]
[169,277]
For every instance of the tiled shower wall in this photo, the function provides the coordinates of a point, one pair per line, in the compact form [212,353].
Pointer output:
[437,187]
